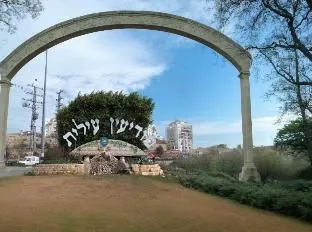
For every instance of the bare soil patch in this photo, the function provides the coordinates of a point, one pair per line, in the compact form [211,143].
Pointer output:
[125,203]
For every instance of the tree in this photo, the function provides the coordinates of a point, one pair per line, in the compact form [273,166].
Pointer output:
[269,24]
[274,30]
[103,106]
[17,9]
[222,146]
[295,98]
[292,136]
[159,151]
[279,33]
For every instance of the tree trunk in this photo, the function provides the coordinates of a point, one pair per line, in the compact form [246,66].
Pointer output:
[306,130]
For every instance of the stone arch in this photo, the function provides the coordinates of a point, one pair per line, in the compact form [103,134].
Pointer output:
[69,29]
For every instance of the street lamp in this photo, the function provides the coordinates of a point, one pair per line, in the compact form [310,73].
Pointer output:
[43,105]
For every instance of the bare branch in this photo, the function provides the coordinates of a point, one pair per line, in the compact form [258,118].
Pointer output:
[304,18]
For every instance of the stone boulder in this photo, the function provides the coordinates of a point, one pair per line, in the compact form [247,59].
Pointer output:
[147,170]
[123,166]
[103,164]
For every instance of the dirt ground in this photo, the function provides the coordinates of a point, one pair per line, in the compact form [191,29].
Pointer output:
[125,203]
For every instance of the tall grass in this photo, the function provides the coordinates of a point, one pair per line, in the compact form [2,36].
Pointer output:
[271,165]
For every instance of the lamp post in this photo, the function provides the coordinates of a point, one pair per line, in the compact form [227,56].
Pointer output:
[43,105]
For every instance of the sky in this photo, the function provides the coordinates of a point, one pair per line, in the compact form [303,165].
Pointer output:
[187,80]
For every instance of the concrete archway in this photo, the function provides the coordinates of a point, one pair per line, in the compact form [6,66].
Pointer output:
[66,30]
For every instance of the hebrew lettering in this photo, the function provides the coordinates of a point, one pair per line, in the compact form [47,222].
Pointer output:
[66,136]
[75,131]
[149,134]
[80,126]
[122,127]
[117,121]
[88,124]
[139,129]
[111,122]
[95,127]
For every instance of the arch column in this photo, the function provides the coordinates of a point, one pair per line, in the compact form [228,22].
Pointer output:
[249,171]
[5,85]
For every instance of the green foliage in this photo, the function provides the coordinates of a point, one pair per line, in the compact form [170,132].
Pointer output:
[297,185]
[62,160]
[103,105]
[159,151]
[271,165]
[305,174]
[202,163]
[230,162]
[55,155]
[290,198]
[31,173]
[17,9]
[224,146]
[292,136]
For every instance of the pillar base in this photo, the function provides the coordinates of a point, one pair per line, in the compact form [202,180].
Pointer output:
[249,173]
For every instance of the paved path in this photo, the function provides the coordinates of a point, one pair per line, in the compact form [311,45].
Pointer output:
[14,171]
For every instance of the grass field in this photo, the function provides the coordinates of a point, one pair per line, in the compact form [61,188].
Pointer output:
[125,203]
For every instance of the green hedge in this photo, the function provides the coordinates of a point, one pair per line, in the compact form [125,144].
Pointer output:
[305,173]
[291,198]
[61,160]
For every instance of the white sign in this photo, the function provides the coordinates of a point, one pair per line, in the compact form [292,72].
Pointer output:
[117,126]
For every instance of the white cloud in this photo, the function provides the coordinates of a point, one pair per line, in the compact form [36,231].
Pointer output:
[113,60]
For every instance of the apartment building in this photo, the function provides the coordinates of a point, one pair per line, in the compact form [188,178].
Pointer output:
[179,136]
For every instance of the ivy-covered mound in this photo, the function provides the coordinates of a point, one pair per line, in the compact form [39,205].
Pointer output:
[103,106]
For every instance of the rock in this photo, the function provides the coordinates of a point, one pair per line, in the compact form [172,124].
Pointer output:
[123,166]
[103,164]
[147,170]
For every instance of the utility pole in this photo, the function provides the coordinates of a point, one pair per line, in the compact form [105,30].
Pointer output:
[58,106]
[59,99]
[43,106]
[34,114]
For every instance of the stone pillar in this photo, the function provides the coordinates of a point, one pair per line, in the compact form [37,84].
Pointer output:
[4,105]
[249,171]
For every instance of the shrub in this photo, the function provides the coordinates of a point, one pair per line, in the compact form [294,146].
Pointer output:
[230,162]
[297,185]
[193,164]
[63,160]
[289,198]
[305,173]
[271,165]
[31,173]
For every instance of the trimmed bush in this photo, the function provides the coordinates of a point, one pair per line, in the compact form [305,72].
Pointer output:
[297,185]
[289,198]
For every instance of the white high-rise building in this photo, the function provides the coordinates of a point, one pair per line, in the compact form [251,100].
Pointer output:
[51,127]
[179,136]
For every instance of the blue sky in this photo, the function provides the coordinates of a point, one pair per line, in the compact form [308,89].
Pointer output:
[187,80]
